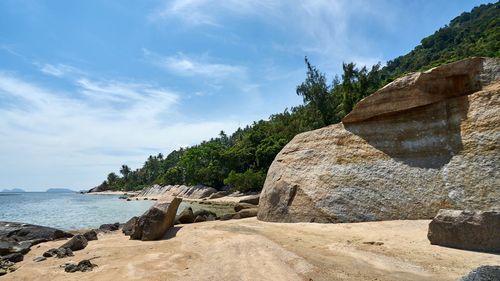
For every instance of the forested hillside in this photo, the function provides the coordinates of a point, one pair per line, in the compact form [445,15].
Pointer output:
[241,160]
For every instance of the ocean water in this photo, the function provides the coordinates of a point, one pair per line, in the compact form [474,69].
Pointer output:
[68,211]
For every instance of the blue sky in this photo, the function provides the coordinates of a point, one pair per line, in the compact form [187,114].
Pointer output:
[86,86]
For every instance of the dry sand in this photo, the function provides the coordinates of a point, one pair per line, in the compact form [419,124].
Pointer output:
[252,250]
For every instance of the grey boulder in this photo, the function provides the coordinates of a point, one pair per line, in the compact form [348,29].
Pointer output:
[153,224]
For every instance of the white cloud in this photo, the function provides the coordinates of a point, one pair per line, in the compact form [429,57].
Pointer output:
[322,27]
[58,70]
[75,138]
[189,66]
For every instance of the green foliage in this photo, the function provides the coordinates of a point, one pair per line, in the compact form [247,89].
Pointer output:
[247,181]
[242,159]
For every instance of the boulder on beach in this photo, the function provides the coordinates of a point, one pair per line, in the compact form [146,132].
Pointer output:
[17,232]
[250,199]
[83,266]
[153,224]
[240,206]
[78,242]
[469,230]
[186,216]
[426,141]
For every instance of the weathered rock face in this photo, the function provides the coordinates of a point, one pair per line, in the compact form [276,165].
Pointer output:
[467,230]
[153,224]
[483,273]
[182,191]
[424,142]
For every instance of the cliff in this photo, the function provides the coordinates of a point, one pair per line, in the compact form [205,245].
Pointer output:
[426,141]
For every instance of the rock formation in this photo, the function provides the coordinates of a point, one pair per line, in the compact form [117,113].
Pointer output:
[424,142]
[153,224]
[467,230]
[182,191]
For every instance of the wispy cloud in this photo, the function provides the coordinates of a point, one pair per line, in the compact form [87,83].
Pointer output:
[81,131]
[58,70]
[322,27]
[189,66]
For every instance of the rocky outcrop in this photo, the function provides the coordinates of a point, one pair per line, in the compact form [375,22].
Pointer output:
[467,230]
[181,191]
[425,142]
[153,224]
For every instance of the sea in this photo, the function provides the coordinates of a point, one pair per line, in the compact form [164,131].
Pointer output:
[68,211]
[73,211]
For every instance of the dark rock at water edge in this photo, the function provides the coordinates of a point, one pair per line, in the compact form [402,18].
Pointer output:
[200,219]
[153,224]
[78,242]
[17,232]
[226,217]
[483,273]
[90,235]
[83,266]
[110,227]
[129,226]
[186,216]
[467,230]
[204,213]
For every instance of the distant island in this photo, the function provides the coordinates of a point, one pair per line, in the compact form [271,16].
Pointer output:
[14,190]
[60,190]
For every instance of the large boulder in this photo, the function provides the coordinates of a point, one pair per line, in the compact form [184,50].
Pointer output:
[129,225]
[425,142]
[153,224]
[466,230]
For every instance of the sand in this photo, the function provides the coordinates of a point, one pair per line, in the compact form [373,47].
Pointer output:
[252,250]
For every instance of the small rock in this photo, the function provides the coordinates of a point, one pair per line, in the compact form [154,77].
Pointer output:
[374,243]
[226,217]
[90,235]
[186,216]
[200,218]
[203,213]
[110,227]
[39,259]
[78,242]
[247,213]
[2,271]
[14,257]
[83,266]
[241,206]
[483,273]
[128,199]
[251,199]
[59,253]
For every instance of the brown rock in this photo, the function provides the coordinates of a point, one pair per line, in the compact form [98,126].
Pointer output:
[186,216]
[247,213]
[251,199]
[78,242]
[240,206]
[403,163]
[468,230]
[129,225]
[153,224]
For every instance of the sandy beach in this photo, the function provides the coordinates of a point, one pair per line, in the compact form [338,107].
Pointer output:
[249,249]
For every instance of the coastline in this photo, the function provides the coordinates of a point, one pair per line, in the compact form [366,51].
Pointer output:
[112,193]
[249,249]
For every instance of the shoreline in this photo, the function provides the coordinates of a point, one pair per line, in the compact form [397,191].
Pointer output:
[249,249]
